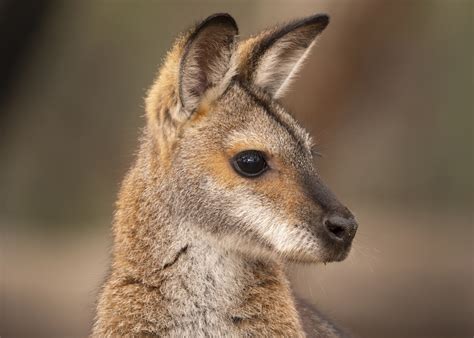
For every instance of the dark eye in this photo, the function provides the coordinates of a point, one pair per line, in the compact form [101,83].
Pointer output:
[250,163]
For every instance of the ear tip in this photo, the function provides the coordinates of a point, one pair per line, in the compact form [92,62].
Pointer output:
[219,18]
[321,19]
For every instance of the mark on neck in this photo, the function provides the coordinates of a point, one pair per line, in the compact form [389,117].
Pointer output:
[181,252]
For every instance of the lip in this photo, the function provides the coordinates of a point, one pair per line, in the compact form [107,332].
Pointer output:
[324,250]
[342,254]
[337,250]
[332,249]
[322,254]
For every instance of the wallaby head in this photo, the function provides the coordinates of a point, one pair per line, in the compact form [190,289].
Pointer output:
[231,161]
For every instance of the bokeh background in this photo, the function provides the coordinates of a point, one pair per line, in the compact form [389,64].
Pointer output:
[387,92]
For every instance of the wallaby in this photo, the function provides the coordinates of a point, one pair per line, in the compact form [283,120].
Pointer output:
[223,192]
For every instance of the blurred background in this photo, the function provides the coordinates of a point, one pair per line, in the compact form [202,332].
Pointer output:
[387,92]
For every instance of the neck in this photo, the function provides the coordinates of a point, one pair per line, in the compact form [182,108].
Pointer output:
[171,278]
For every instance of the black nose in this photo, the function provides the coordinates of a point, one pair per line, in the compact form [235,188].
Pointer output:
[341,228]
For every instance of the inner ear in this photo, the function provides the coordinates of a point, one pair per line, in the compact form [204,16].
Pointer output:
[275,55]
[206,58]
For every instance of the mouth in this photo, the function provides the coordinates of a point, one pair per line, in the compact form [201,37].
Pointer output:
[334,248]
[336,254]
[327,245]
[322,251]
[321,242]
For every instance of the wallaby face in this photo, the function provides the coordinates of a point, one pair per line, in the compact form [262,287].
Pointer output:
[234,163]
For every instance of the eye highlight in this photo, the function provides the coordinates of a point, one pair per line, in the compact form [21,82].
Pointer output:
[250,163]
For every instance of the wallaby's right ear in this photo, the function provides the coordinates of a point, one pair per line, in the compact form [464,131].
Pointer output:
[206,59]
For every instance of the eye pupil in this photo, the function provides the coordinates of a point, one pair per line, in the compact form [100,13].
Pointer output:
[250,163]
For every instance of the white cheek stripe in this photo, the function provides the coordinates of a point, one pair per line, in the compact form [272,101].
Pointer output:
[263,218]
[269,224]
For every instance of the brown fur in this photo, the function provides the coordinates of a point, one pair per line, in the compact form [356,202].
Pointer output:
[198,249]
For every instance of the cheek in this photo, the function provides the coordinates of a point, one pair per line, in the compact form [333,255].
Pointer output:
[284,195]
[279,188]
[216,166]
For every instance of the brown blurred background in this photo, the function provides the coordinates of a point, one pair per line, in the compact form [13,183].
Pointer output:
[387,93]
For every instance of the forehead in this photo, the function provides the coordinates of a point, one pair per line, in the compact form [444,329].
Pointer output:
[254,120]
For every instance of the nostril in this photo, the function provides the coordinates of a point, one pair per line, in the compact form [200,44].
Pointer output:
[336,229]
[340,227]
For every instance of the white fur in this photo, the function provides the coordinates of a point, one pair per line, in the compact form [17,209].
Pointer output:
[262,217]
[275,72]
[269,223]
[293,73]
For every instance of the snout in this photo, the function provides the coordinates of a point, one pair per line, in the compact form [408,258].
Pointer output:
[332,223]
[336,235]
[340,228]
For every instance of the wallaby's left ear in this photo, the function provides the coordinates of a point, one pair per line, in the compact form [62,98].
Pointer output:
[271,59]
[206,58]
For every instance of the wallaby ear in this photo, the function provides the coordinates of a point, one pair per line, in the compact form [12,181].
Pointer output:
[206,58]
[271,59]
